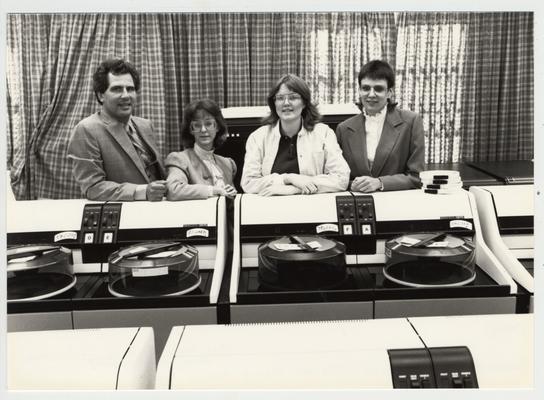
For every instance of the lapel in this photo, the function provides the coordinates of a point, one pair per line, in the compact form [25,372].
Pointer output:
[388,138]
[357,145]
[117,131]
[199,165]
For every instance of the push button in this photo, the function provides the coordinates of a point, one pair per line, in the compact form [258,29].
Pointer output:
[347,229]
[457,382]
[89,238]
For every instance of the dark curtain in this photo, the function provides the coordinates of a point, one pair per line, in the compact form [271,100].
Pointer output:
[497,106]
[470,76]
[231,58]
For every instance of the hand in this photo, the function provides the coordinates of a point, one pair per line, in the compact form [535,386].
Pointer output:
[227,191]
[155,190]
[279,190]
[303,182]
[366,184]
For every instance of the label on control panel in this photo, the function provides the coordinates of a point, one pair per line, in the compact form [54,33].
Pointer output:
[366,229]
[347,229]
[64,236]
[326,228]
[198,232]
[459,223]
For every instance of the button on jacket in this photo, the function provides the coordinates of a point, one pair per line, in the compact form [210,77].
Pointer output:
[318,155]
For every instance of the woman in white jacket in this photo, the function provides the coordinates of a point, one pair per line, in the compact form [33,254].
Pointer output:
[292,152]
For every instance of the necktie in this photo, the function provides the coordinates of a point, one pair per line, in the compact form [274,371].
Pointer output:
[143,151]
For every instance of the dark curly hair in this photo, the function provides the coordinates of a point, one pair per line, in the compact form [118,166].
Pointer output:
[190,111]
[310,114]
[116,66]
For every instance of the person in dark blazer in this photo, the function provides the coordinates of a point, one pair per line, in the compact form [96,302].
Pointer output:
[197,172]
[114,155]
[383,146]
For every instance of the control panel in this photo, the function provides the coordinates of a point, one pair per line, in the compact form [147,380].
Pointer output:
[454,367]
[345,210]
[90,223]
[366,219]
[434,367]
[109,222]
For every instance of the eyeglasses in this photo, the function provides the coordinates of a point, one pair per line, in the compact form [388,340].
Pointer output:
[377,88]
[209,124]
[292,97]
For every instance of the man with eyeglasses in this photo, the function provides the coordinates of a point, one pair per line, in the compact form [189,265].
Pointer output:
[383,146]
[114,155]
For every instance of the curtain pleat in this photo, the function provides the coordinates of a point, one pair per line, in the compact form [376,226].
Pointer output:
[498,106]
[429,67]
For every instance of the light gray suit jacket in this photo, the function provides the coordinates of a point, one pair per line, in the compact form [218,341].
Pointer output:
[104,161]
[400,154]
[189,178]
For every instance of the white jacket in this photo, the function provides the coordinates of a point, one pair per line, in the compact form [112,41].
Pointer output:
[318,152]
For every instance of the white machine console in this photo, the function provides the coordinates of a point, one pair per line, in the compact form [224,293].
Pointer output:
[507,219]
[362,223]
[86,359]
[480,351]
[94,230]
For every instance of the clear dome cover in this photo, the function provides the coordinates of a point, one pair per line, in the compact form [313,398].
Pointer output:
[153,269]
[430,260]
[39,271]
[302,262]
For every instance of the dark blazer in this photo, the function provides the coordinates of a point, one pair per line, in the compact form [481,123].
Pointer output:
[400,154]
[104,161]
[189,178]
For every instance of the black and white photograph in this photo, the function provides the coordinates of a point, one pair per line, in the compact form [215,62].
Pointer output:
[284,201]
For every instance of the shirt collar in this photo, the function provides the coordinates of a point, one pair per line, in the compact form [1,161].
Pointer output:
[108,119]
[203,153]
[380,116]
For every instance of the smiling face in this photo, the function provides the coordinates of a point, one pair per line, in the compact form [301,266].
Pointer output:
[289,104]
[204,129]
[119,99]
[374,94]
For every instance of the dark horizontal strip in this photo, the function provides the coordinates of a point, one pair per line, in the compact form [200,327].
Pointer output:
[146,235]
[442,225]
[39,237]
[275,230]
[519,224]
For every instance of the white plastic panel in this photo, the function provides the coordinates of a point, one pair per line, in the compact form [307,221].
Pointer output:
[409,205]
[502,346]
[317,208]
[168,214]
[315,355]
[513,200]
[81,359]
[263,111]
[45,215]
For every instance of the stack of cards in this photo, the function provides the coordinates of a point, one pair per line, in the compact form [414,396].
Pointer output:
[440,181]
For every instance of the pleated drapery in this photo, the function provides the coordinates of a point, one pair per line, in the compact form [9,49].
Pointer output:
[470,76]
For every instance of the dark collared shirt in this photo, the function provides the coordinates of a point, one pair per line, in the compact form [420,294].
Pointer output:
[286,161]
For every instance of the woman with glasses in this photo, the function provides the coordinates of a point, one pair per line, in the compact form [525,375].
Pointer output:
[292,152]
[384,146]
[197,172]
